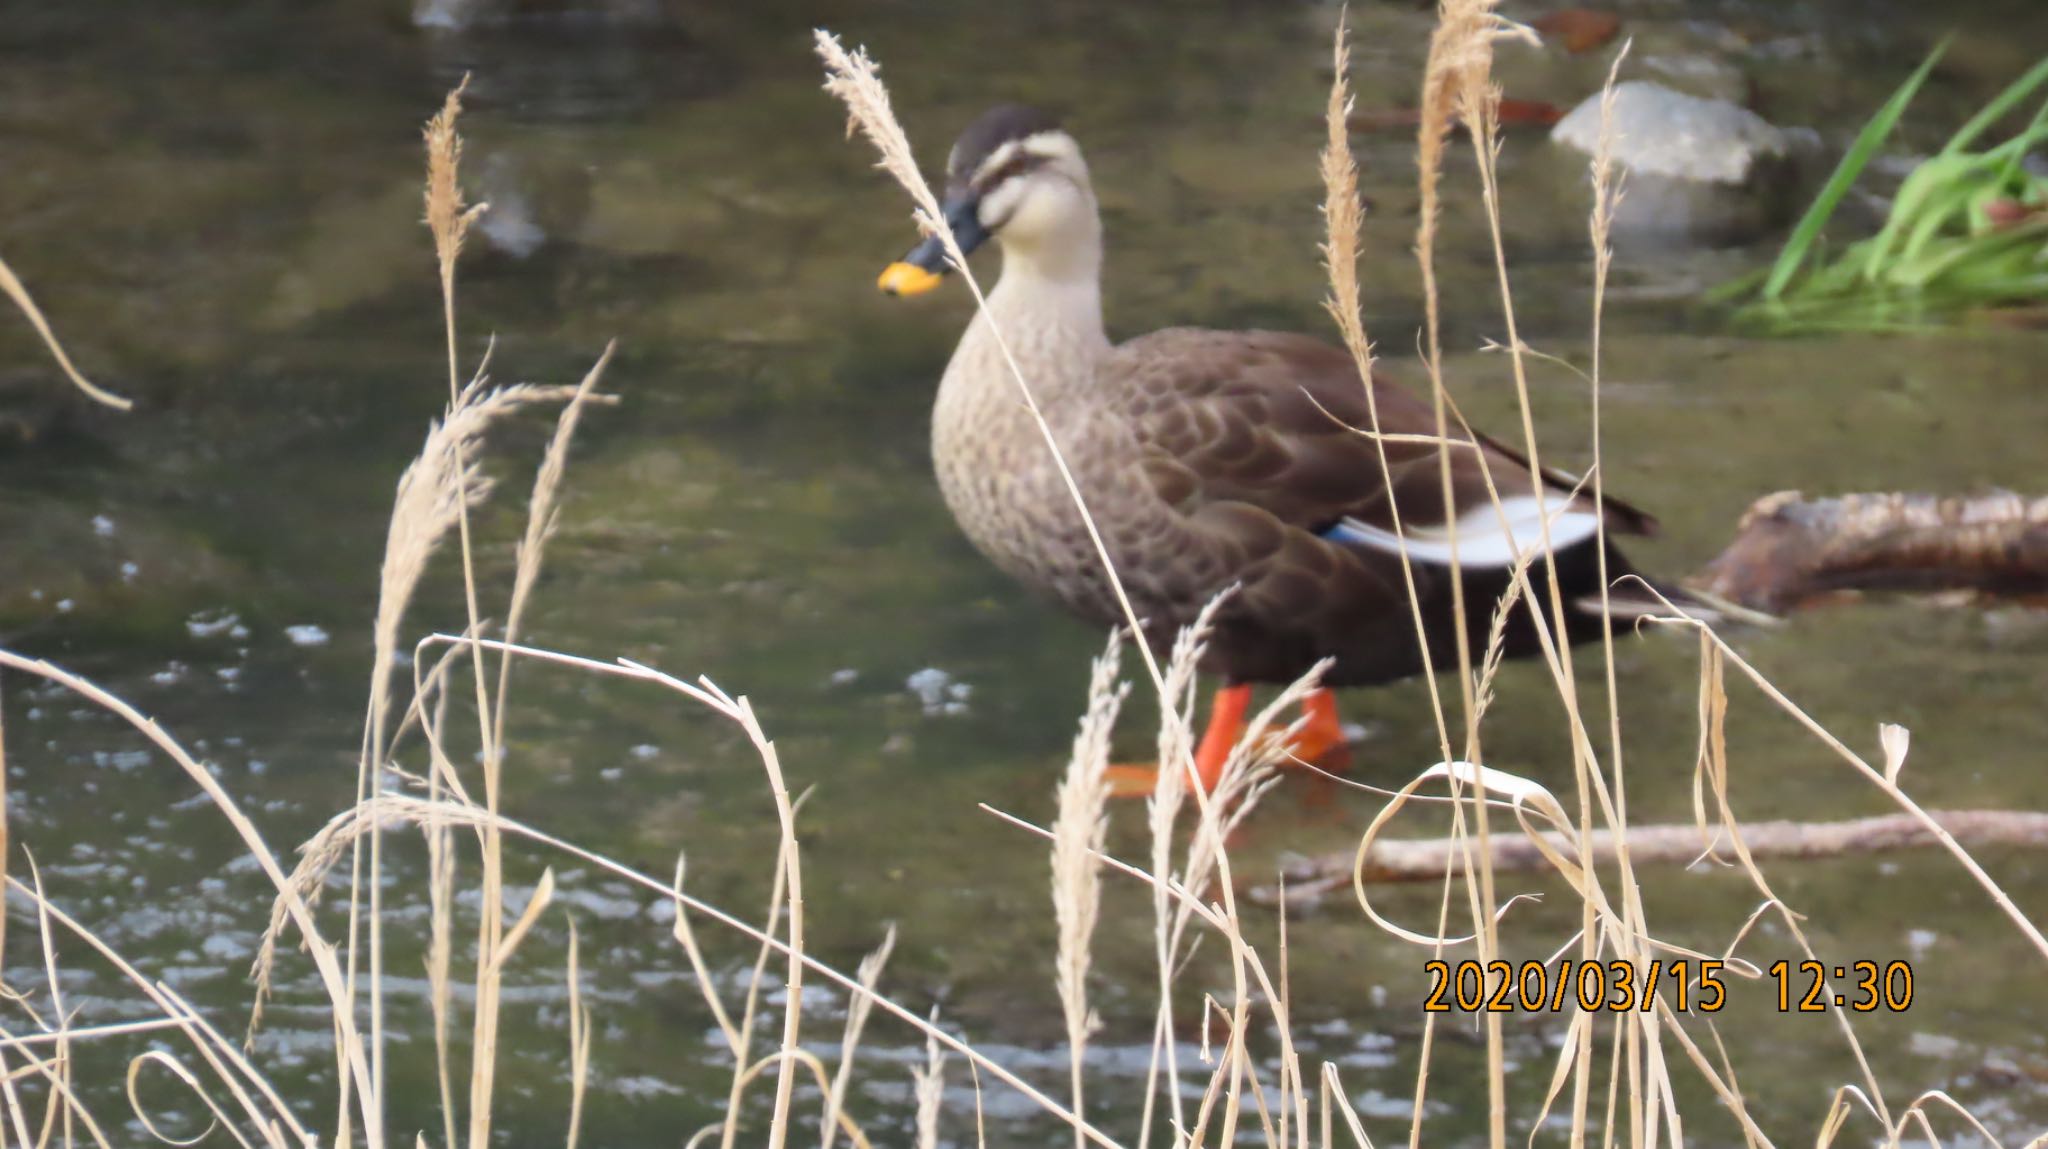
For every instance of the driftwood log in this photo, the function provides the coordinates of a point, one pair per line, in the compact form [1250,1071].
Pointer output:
[1414,860]
[1789,552]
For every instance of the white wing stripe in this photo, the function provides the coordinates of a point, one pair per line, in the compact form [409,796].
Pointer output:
[1482,541]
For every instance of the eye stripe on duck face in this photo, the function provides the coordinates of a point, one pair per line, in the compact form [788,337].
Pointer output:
[1015,163]
[1015,157]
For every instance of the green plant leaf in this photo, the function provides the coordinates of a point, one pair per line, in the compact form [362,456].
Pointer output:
[1853,162]
[1992,112]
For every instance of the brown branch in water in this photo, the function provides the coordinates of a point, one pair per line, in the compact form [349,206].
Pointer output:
[1424,859]
[1789,552]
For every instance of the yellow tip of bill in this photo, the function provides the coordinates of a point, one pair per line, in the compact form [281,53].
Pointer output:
[907,279]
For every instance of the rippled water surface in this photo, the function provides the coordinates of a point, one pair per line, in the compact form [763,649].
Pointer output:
[219,208]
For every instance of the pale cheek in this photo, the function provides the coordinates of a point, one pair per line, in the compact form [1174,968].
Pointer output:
[1040,213]
[999,210]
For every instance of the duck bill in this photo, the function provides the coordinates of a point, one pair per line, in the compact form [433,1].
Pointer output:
[925,266]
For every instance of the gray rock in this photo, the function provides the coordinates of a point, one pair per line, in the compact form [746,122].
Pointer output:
[1662,132]
[1697,168]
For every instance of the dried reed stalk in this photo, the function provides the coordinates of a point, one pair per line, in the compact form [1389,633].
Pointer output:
[579,1039]
[11,284]
[1460,33]
[1608,183]
[265,1111]
[742,1038]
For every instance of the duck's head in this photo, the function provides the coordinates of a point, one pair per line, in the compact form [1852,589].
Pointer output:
[1013,176]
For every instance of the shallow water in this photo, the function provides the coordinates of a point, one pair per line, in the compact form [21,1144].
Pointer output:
[220,213]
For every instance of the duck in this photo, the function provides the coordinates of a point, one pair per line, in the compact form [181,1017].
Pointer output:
[1215,461]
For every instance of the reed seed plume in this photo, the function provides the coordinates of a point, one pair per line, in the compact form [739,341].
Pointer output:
[442,482]
[855,80]
[1496,637]
[1343,210]
[1344,226]
[1609,183]
[449,215]
[1162,812]
[1077,841]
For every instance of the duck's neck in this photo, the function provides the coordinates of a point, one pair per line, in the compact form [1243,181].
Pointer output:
[1048,307]
[992,464]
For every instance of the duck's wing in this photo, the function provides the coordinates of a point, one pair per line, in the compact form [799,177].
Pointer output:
[1253,442]
[1276,422]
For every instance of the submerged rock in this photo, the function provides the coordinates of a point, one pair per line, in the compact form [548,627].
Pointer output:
[1697,168]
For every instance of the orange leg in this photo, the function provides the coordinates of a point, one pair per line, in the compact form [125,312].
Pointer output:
[1226,725]
[1319,743]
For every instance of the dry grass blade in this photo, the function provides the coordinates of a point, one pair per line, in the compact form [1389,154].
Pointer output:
[579,1038]
[929,1080]
[858,1006]
[12,285]
[543,894]
[1895,739]
[540,519]
[228,1064]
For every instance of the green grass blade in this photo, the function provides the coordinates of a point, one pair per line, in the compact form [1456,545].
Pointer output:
[1994,111]
[2010,171]
[1853,162]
